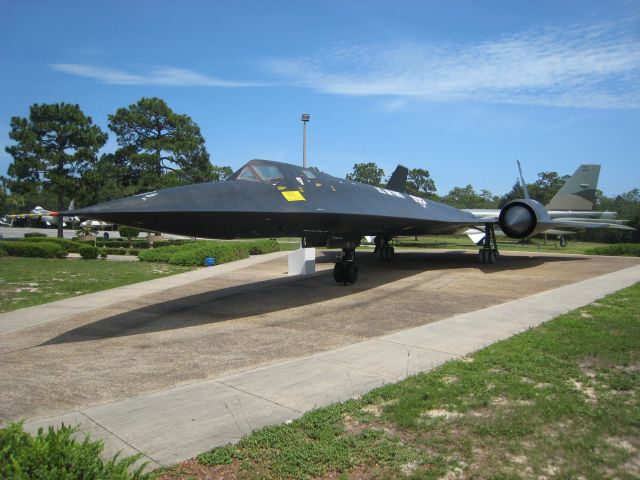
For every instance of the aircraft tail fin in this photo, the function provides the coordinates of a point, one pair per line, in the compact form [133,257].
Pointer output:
[523,184]
[72,205]
[579,191]
[398,180]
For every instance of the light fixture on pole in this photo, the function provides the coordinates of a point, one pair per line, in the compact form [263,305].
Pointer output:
[305,119]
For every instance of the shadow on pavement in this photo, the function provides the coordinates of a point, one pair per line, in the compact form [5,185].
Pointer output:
[268,296]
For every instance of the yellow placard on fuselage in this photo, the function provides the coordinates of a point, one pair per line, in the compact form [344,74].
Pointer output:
[293,196]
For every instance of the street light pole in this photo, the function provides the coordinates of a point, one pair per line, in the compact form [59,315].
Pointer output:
[305,119]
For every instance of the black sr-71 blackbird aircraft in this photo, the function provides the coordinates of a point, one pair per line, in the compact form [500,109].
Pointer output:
[273,199]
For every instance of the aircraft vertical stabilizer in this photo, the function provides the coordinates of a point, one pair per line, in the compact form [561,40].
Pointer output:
[579,191]
[398,180]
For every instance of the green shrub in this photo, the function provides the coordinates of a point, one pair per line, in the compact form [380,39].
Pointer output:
[162,243]
[260,247]
[113,243]
[34,235]
[34,249]
[168,243]
[194,253]
[115,251]
[103,254]
[3,252]
[133,251]
[128,232]
[68,245]
[88,252]
[619,249]
[55,454]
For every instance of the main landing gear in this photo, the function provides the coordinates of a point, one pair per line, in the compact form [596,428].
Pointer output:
[489,251]
[383,250]
[345,271]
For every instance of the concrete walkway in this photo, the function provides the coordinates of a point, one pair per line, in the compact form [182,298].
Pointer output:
[28,317]
[178,423]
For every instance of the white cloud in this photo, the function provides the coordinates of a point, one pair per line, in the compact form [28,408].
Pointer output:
[596,66]
[166,76]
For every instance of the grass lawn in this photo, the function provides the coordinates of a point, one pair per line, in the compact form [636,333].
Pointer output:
[25,282]
[504,243]
[558,401]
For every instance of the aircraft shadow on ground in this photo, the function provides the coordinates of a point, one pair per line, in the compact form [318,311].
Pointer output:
[269,296]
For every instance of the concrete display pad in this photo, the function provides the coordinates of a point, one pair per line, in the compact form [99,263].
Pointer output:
[172,373]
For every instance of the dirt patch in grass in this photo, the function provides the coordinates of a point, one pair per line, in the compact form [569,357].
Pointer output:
[194,470]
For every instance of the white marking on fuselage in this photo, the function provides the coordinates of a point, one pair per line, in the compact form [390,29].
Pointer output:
[145,196]
[392,193]
[420,201]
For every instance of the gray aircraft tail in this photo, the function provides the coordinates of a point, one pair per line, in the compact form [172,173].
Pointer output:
[398,180]
[579,191]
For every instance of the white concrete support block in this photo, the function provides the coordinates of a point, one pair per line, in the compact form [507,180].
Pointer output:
[302,261]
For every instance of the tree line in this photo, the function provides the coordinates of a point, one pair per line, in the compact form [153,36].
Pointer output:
[56,158]
[56,155]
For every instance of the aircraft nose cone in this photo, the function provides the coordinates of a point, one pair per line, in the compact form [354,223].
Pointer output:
[143,202]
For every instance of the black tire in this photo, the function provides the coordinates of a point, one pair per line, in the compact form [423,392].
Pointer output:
[338,272]
[351,272]
[563,242]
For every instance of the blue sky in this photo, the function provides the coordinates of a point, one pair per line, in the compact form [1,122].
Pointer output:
[462,88]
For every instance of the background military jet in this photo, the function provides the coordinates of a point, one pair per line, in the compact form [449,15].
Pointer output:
[572,204]
[273,199]
[44,215]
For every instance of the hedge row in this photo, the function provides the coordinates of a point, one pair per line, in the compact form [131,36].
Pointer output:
[3,251]
[168,243]
[120,251]
[34,235]
[116,243]
[194,253]
[34,249]
[56,454]
[619,249]
[70,246]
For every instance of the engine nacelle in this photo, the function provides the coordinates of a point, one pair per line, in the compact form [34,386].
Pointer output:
[523,218]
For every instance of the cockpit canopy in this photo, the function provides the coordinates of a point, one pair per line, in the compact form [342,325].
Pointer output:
[256,172]
[269,171]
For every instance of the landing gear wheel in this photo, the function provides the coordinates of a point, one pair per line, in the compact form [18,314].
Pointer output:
[488,252]
[345,270]
[386,252]
[350,272]
[486,256]
[338,272]
[563,241]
